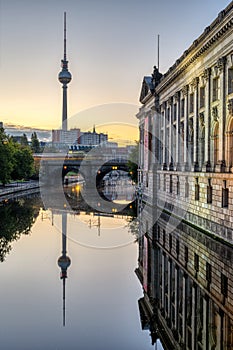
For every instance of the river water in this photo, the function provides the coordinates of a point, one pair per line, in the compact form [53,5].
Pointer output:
[89,299]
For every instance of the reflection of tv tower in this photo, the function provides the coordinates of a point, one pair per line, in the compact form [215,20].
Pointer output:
[64,262]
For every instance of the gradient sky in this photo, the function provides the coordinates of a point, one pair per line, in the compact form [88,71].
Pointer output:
[111,46]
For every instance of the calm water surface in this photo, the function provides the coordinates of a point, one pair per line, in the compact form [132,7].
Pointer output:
[95,307]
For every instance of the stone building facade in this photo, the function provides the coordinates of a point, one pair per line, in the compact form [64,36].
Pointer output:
[186,192]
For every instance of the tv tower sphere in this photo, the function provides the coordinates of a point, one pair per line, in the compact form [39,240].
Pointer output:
[64,77]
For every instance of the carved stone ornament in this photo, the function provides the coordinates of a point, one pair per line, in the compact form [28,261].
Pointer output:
[164,105]
[177,96]
[195,82]
[185,90]
[169,102]
[215,113]
[202,119]
[230,107]
[207,73]
[221,63]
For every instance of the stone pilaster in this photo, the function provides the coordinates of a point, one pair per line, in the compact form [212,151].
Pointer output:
[195,125]
[170,145]
[178,136]
[221,165]
[164,136]
[207,77]
[185,94]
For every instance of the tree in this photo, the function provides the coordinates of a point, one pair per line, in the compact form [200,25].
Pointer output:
[133,162]
[23,162]
[35,144]
[24,140]
[6,157]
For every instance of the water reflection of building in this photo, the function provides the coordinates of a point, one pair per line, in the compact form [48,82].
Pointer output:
[64,262]
[188,294]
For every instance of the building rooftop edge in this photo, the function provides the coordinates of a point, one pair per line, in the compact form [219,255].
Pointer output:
[198,47]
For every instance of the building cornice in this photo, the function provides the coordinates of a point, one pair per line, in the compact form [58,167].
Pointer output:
[213,33]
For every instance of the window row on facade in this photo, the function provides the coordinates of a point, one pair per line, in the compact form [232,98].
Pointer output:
[172,184]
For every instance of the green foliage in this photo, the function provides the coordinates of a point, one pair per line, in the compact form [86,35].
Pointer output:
[24,140]
[23,162]
[6,158]
[35,144]
[133,163]
[16,160]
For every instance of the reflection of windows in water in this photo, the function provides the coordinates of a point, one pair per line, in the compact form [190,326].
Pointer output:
[178,186]
[186,255]
[186,187]
[224,285]
[196,262]
[208,272]
[177,247]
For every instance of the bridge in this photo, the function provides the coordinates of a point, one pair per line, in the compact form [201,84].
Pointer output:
[93,166]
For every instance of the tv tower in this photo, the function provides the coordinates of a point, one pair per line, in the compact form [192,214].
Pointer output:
[64,77]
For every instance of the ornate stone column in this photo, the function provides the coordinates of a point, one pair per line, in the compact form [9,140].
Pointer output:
[207,76]
[222,115]
[195,83]
[170,145]
[178,136]
[185,94]
[141,150]
[164,136]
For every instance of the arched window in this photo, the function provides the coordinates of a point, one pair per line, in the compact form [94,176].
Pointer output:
[216,142]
